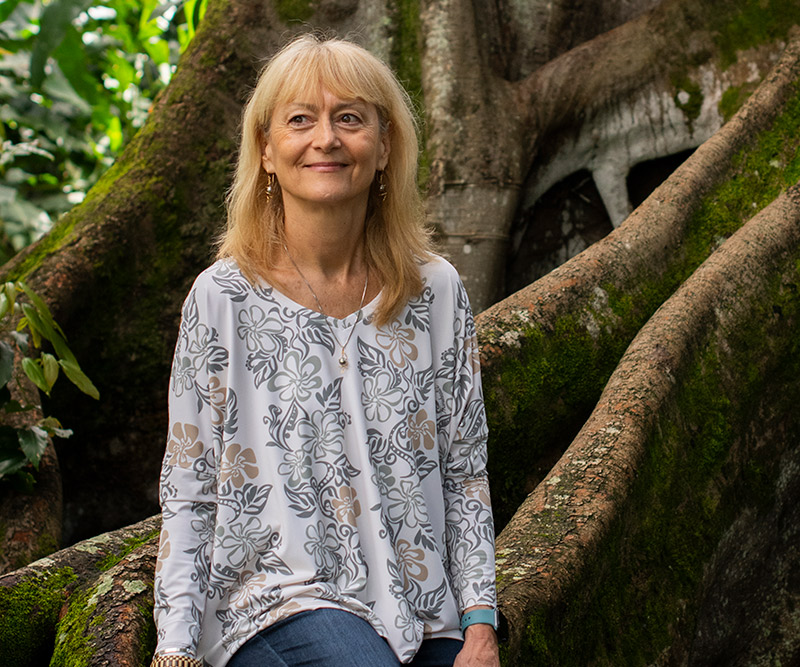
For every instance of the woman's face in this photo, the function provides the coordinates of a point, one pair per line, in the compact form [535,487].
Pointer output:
[325,150]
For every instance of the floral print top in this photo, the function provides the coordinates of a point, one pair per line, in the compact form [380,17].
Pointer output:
[290,484]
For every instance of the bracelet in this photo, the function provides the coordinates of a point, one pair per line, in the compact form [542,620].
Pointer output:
[487,616]
[175,661]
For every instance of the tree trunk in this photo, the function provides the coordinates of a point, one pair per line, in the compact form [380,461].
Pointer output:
[30,521]
[89,604]
[693,435]
[116,268]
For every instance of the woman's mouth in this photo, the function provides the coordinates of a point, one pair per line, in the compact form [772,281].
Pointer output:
[326,166]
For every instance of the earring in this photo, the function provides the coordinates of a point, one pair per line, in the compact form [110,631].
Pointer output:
[382,189]
[271,185]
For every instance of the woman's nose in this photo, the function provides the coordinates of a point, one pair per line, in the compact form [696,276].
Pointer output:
[325,136]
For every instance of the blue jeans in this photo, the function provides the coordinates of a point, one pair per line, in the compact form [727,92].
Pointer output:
[333,638]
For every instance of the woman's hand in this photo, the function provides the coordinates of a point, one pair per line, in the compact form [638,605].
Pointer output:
[480,647]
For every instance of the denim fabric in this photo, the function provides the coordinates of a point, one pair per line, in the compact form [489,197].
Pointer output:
[333,638]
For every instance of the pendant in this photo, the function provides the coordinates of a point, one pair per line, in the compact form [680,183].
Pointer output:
[343,361]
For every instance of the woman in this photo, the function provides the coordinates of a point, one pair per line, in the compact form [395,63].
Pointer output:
[324,492]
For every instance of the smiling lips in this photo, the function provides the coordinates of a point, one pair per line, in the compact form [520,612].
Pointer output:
[326,166]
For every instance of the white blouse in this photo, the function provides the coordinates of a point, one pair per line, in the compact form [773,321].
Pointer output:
[291,484]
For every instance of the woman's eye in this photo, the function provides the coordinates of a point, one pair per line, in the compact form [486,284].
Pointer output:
[349,118]
[299,119]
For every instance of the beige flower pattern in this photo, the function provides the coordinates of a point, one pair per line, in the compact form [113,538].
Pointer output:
[238,464]
[183,447]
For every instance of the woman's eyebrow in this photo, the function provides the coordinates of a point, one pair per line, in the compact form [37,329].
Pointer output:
[311,106]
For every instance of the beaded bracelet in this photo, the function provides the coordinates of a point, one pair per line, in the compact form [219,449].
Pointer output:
[175,661]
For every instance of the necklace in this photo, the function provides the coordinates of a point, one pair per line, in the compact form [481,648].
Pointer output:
[342,346]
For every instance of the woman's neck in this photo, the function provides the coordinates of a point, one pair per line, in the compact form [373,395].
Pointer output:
[326,241]
[325,261]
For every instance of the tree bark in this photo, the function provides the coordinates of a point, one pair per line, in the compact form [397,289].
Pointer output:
[30,521]
[88,604]
[497,145]
[116,269]
[549,349]
[703,337]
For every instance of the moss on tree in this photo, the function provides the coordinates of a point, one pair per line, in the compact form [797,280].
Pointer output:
[704,463]
[540,395]
[28,615]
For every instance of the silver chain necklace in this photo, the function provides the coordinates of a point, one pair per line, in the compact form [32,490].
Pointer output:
[343,356]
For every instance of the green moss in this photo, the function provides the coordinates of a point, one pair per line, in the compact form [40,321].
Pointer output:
[703,465]
[28,615]
[295,10]
[733,98]
[405,61]
[539,396]
[753,22]
[73,648]
[688,98]
[129,546]
[149,641]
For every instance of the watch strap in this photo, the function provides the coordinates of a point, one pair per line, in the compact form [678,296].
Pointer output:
[487,616]
[172,660]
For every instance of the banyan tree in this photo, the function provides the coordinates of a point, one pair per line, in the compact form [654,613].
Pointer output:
[616,182]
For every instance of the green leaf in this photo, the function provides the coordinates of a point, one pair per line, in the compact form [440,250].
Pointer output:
[49,369]
[39,325]
[6,362]
[71,58]
[53,427]
[41,306]
[33,441]
[11,456]
[56,19]
[6,8]
[11,464]
[20,339]
[25,323]
[21,481]
[78,378]
[35,373]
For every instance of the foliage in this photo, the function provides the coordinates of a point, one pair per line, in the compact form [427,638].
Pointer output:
[22,446]
[77,79]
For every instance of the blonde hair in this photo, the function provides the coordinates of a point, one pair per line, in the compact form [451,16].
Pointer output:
[396,238]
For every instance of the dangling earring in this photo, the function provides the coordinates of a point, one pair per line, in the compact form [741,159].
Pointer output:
[382,189]
[271,183]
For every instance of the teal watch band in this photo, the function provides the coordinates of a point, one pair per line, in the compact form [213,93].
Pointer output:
[487,616]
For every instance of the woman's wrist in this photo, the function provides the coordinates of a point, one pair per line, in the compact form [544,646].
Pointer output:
[479,615]
[175,660]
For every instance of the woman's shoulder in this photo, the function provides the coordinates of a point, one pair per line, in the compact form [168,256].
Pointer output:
[440,274]
[437,267]
[221,283]
[219,277]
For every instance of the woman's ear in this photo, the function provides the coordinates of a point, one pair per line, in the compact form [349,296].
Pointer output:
[266,158]
[266,152]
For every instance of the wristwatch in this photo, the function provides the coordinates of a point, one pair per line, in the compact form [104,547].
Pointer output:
[175,658]
[487,616]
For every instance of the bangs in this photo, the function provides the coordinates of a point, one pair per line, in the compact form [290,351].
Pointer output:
[347,75]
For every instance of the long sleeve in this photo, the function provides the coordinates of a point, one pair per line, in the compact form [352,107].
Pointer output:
[197,406]
[468,520]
